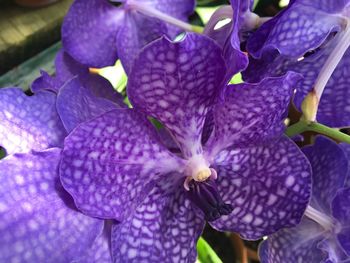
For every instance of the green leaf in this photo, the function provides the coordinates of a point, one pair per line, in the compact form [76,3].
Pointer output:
[255,3]
[116,76]
[205,13]
[236,79]
[2,153]
[205,253]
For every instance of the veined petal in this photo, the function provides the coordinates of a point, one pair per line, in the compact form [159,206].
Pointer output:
[45,82]
[109,164]
[138,29]
[136,32]
[333,107]
[330,167]
[38,221]
[251,113]
[233,53]
[29,123]
[346,149]
[66,69]
[100,251]
[268,186]
[176,82]
[165,228]
[301,27]
[76,104]
[89,32]
[297,244]
[180,9]
[341,212]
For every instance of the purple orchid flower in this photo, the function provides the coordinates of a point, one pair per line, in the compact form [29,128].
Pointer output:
[300,28]
[42,121]
[66,69]
[116,167]
[232,35]
[333,110]
[311,38]
[29,123]
[39,221]
[323,234]
[96,33]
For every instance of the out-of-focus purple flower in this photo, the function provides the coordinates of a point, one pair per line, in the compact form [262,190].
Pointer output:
[115,166]
[38,220]
[333,110]
[29,123]
[232,35]
[35,122]
[66,69]
[326,236]
[302,38]
[96,33]
[301,27]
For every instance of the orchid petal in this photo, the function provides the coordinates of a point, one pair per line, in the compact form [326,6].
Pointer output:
[177,82]
[29,122]
[330,166]
[109,164]
[38,220]
[268,186]
[165,227]
[89,31]
[251,113]
[75,104]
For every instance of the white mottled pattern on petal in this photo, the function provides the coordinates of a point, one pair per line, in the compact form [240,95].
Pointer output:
[268,186]
[296,30]
[164,228]
[76,104]
[176,82]
[110,163]
[334,109]
[251,113]
[29,123]
[38,221]
[329,167]
[297,244]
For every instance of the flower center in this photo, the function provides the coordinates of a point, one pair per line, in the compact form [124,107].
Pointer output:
[205,196]
[198,168]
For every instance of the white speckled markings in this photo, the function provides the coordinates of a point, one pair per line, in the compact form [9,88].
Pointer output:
[109,164]
[302,27]
[176,83]
[269,187]
[251,113]
[38,222]
[76,104]
[29,123]
[164,228]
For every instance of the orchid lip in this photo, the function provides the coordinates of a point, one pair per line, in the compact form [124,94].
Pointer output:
[205,196]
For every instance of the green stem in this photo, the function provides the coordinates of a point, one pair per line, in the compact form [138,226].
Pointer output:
[296,128]
[303,126]
[330,132]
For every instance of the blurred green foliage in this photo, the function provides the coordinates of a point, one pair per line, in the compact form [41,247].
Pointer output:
[2,153]
[205,253]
